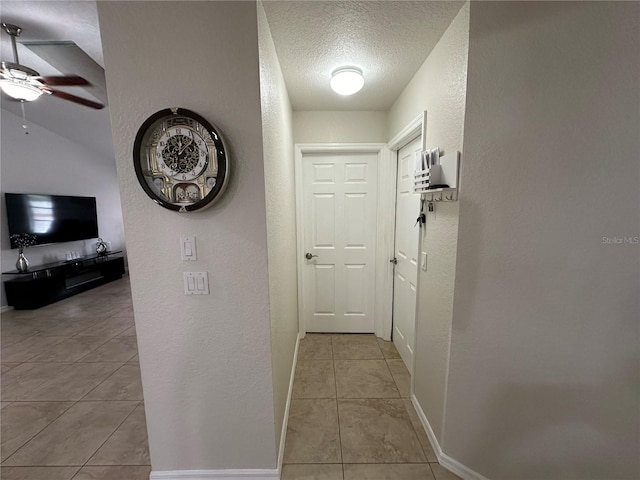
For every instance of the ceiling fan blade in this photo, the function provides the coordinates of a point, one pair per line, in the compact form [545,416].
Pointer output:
[73,98]
[64,80]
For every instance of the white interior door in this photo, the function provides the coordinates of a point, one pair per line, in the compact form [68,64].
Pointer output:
[339,230]
[406,253]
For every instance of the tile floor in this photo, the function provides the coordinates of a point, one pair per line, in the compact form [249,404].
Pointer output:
[72,406]
[71,393]
[351,417]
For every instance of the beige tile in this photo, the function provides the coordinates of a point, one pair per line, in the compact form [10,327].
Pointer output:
[22,420]
[135,359]
[124,384]
[441,473]
[38,473]
[419,429]
[71,350]
[315,346]
[109,327]
[24,378]
[5,367]
[401,376]
[356,347]
[399,471]
[389,350]
[72,383]
[128,445]
[28,348]
[377,431]
[314,379]
[67,326]
[74,436]
[119,349]
[312,472]
[312,432]
[364,379]
[129,332]
[113,473]
[4,405]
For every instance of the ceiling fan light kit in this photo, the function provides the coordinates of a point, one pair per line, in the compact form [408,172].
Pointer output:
[25,84]
[347,80]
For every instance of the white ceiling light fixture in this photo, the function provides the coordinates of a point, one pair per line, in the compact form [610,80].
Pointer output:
[347,80]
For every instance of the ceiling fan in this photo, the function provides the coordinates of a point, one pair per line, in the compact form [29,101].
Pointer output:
[25,84]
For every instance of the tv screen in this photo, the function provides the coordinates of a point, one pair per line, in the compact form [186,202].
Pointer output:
[51,218]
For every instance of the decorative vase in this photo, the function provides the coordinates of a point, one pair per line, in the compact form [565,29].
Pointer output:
[22,265]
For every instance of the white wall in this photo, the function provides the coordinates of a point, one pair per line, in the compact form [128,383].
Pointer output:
[281,217]
[439,87]
[205,360]
[44,162]
[339,127]
[544,370]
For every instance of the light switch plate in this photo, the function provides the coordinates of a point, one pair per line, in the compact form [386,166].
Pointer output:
[196,283]
[188,248]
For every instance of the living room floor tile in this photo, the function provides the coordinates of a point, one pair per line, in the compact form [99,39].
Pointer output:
[128,445]
[119,349]
[22,420]
[315,346]
[72,383]
[355,347]
[401,376]
[24,378]
[124,384]
[37,473]
[28,348]
[113,473]
[71,349]
[73,437]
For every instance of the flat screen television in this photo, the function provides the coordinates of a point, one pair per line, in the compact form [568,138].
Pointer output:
[51,218]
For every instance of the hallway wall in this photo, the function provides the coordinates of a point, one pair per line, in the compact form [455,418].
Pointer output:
[281,217]
[205,360]
[339,127]
[543,376]
[439,87]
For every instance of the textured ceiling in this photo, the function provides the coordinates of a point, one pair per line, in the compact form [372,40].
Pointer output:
[387,40]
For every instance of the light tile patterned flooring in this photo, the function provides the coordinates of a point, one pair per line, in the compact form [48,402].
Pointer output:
[72,406]
[71,393]
[351,417]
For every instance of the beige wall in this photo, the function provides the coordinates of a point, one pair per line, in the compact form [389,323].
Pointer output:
[339,127]
[439,87]
[205,360]
[281,217]
[543,376]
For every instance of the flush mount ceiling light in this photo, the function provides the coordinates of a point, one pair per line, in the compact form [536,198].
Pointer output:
[347,80]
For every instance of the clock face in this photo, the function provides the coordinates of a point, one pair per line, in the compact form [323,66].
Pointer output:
[180,160]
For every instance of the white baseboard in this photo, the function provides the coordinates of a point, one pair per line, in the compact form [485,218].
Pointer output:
[215,474]
[283,434]
[5,308]
[445,460]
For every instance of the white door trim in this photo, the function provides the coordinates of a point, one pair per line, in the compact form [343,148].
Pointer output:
[418,126]
[382,319]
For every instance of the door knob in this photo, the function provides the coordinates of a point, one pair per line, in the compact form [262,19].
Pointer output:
[308,256]
[394,261]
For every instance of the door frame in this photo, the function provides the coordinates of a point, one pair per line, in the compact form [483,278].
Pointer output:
[384,240]
[417,127]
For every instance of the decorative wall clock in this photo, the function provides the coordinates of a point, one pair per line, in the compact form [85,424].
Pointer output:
[180,159]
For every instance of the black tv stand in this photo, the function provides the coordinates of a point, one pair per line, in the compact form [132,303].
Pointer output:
[49,283]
